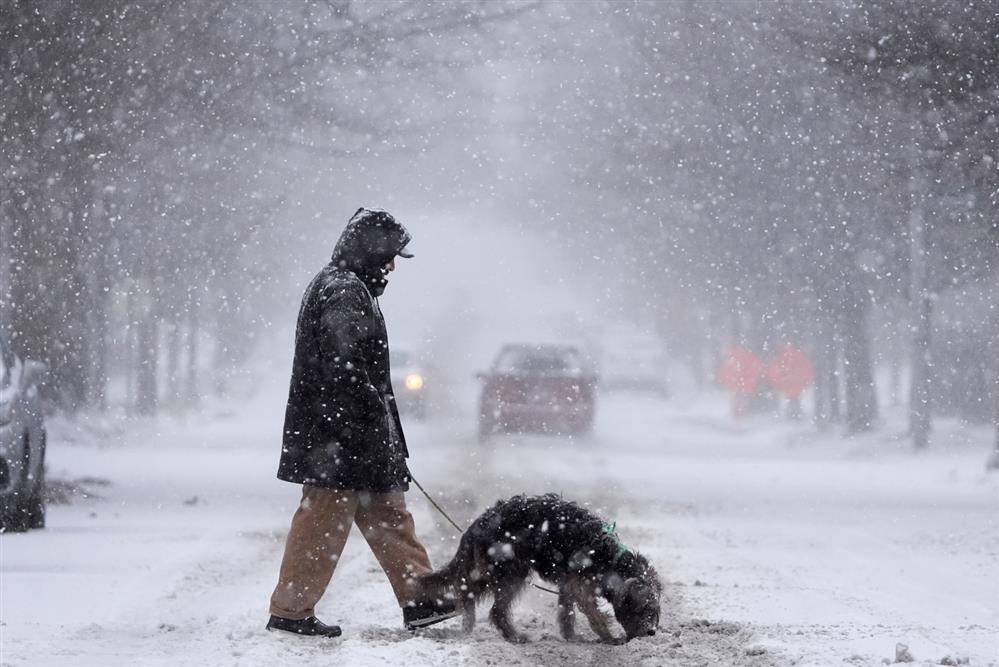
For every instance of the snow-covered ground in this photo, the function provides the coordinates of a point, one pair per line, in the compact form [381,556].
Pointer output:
[778,545]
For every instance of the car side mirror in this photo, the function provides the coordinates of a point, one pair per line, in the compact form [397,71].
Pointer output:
[33,373]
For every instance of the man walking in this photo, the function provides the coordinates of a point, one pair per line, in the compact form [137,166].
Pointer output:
[343,441]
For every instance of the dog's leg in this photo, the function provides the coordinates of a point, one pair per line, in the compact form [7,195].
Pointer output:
[505,593]
[586,598]
[566,612]
[469,600]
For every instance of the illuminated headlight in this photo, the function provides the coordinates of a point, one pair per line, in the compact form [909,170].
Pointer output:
[414,382]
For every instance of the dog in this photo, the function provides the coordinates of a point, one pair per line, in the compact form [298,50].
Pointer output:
[564,544]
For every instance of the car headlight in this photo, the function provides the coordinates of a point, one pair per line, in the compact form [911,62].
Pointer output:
[414,382]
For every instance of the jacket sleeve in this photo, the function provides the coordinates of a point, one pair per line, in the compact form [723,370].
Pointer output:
[345,324]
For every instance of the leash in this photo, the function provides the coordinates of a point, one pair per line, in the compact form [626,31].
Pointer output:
[457,527]
[436,506]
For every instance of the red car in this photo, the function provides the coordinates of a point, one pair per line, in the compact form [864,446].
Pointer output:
[541,388]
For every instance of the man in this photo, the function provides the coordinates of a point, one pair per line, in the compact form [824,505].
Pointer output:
[343,441]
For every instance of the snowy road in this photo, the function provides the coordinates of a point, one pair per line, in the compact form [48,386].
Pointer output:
[777,546]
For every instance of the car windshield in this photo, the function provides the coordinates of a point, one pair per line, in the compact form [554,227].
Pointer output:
[539,360]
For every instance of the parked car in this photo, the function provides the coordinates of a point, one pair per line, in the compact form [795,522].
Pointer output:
[545,388]
[22,443]
[634,359]
[410,382]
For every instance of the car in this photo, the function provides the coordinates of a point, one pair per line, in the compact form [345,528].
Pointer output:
[632,358]
[546,388]
[410,382]
[22,443]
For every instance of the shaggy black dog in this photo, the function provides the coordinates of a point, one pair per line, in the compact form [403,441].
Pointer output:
[564,544]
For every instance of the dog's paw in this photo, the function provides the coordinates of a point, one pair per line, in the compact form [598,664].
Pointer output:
[517,638]
[615,641]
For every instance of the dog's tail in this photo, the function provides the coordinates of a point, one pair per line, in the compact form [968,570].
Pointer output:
[449,579]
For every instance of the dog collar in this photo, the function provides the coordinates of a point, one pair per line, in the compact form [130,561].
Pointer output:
[611,529]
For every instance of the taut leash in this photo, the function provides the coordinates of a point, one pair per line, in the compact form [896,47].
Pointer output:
[436,506]
[456,526]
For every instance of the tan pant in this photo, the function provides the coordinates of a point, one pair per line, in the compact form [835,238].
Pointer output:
[319,532]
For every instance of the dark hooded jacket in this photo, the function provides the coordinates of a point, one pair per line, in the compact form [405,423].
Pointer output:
[342,427]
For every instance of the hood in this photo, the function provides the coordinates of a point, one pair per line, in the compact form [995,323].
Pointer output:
[371,239]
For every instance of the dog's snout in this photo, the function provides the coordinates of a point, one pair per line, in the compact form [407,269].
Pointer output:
[652,631]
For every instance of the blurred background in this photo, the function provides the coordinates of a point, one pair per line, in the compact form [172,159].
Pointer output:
[715,183]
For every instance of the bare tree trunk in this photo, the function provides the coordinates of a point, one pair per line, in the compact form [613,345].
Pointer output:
[861,398]
[146,394]
[221,365]
[820,408]
[919,396]
[97,295]
[735,322]
[147,352]
[826,373]
[995,378]
[896,327]
[920,406]
[995,420]
[992,462]
[191,391]
[6,261]
[97,380]
[131,350]
[835,399]
[761,336]
[70,368]
[174,394]
[73,319]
